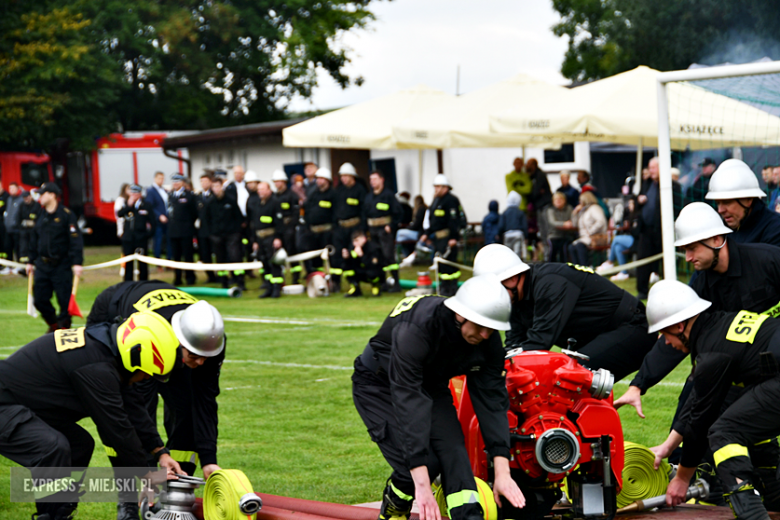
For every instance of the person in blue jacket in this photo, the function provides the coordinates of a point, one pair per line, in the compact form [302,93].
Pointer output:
[490,223]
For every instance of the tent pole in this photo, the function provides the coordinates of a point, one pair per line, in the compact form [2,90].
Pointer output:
[420,170]
[665,181]
[639,152]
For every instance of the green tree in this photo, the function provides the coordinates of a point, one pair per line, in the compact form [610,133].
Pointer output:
[611,36]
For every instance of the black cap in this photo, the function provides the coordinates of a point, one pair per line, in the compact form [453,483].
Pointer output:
[707,161]
[50,187]
[135,188]
[26,193]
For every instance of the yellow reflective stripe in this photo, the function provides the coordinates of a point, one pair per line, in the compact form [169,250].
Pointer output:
[184,456]
[381,206]
[334,270]
[453,276]
[111,452]
[400,493]
[353,254]
[266,219]
[349,273]
[285,205]
[296,269]
[439,213]
[763,442]
[744,327]
[277,280]
[268,276]
[244,241]
[391,267]
[729,451]
[461,498]
[325,204]
[239,271]
[154,300]
[353,202]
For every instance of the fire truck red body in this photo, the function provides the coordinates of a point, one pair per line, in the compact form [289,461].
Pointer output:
[90,181]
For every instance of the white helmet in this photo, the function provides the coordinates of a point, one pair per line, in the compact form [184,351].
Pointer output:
[698,221]
[734,180]
[499,260]
[484,301]
[200,329]
[441,180]
[671,302]
[347,169]
[251,176]
[279,175]
[324,173]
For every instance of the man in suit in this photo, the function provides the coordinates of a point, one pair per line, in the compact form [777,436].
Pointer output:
[157,197]
[183,212]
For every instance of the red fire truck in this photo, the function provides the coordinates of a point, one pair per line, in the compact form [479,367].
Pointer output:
[91,181]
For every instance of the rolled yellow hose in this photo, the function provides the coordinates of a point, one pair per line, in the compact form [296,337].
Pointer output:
[486,500]
[640,480]
[224,491]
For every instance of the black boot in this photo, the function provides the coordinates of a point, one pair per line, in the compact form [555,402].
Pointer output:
[269,291]
[354,291]
[746,503]
[277,290]
[127,511]
[393,506]
[393,285]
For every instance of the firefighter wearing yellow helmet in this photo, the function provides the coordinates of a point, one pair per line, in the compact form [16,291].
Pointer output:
[53,382]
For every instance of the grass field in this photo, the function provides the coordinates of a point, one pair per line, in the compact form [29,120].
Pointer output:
[285,411]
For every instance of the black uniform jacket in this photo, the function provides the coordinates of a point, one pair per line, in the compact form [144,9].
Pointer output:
[751,282]
[264,215]
[726,349]
[761,226]
[57,236]
[139,221]
[28,216]
[224,216]
[182,214]
[203,198]
[383,205]
[562,301]
[420,348]
[288,206]
[444,214]
[318,208]
[68,375]
[200,385]
[348,202]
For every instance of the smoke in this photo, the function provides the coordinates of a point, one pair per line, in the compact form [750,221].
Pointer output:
[740,47]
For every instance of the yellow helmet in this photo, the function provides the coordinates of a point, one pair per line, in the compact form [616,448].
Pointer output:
[146,342]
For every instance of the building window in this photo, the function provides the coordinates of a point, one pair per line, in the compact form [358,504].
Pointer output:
[564,155]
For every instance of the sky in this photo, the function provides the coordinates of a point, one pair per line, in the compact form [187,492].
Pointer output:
[423,41]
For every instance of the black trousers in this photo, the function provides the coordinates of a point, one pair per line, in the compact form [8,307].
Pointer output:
[53,278]
[559,249]
[738,437]
[228,249]
[29,441]
[128,248]
[272,273]
[313,241]
[25,237]
[182,251]
[290,244]
[204,254]
[356,273]
[622,350]
[447,450]
[649,245]
[342,239]
[448,274]
[12,245]
[386,242]
[579,254]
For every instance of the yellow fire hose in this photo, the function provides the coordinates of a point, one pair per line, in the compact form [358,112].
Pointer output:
[640,480]
[229,496]
[486,500]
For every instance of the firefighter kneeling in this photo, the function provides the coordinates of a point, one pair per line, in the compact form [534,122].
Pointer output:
[726,348]
[50,384]
[401,390]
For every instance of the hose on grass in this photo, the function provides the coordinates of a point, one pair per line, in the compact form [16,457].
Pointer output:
[229,496]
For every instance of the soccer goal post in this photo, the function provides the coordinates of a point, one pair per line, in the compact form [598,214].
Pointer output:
[721,110]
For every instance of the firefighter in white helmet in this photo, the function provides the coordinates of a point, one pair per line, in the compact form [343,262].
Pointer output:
[735,189]
[446,220]
[401,390]
[318,212]
[347,211]
[288,207]
[727,348]
[552,303]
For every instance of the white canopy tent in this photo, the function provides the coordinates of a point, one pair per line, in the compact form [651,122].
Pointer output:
[465,121]
[366,125]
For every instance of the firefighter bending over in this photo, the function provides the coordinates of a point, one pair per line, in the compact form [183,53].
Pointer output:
[401,390]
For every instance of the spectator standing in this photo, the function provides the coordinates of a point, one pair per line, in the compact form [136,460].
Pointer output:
[290,211]
[406,236]
[774,194]
[590,220]
[541,197]
[766,174]
[513,225]
[3,205]
[12,208]
[701,185]
[204,242]
[382,212]
[490,223]
[625,238]
[347,213]
[406,209]
[28,216]
[57,252]
[560,228]
[444,227]
[225,219]
[237,189]
[183,212]
[119,203]
[310,180]
[265,225]
[158,199]
[139,225]
[520,182]
[572,195]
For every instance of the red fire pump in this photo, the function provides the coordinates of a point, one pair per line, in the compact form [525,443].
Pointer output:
[562,426]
